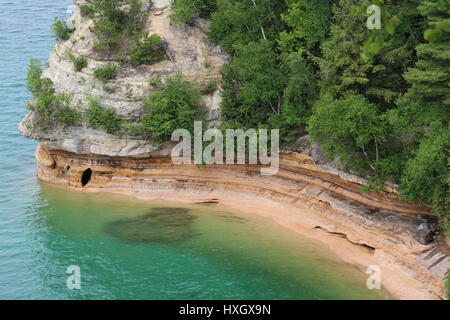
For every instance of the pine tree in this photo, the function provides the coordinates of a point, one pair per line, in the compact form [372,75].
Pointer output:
[109,22]
[423,114]
[244,21]
[430,78]
[343,66]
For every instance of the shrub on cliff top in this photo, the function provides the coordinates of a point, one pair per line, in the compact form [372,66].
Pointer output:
[38,85]
[61,30]
[106,72]
[176,106]
[50,108]
[79,63]
[103,118]
[145,50]
[210,87]
[63,113]
[87,11]
[112,23]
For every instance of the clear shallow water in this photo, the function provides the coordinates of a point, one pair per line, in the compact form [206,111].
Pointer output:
[130,249]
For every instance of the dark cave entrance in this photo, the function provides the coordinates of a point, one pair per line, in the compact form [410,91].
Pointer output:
[86,177]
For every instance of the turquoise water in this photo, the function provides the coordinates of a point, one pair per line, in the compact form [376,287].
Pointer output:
[130,249]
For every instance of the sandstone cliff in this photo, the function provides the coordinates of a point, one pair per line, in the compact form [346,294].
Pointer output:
[364,229]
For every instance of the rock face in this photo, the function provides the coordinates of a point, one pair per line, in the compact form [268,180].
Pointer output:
[188,51]
[82,140]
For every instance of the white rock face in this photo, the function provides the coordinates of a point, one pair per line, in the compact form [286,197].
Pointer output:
[83,140]
[188,50]
[158,4]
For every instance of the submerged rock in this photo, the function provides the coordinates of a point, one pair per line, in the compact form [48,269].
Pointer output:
[161,225]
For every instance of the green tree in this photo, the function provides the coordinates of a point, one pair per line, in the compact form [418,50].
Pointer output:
[176,106]
[427,175]
[50,108]
[114,20]
[349,128]
[186,11]
[38,85]
[308,24]
[61,30]
[63,113]
[399,21]
[99,117]
[107,72]
[136,17]
[344,68]
[253,86]
[146,50]
[299,96]
[422,114]
[428,98]
[109,22]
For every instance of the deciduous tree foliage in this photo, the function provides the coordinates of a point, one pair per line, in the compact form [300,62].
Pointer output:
[349,128]
[244,21]
[308,25]
[176,106]
[253,86]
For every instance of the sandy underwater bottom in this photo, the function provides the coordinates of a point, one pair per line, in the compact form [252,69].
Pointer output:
[135,249]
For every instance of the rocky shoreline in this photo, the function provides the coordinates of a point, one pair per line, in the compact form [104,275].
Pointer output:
[363,229]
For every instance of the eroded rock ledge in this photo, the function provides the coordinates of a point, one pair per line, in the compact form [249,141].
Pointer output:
[364,229]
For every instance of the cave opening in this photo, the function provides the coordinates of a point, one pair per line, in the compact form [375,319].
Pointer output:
[86,177]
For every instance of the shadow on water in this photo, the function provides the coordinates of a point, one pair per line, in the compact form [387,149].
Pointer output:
[161,225]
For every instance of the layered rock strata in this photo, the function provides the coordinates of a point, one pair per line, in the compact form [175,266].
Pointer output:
[364,229]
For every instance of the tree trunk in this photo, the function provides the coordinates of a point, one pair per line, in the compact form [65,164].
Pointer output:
[261,27]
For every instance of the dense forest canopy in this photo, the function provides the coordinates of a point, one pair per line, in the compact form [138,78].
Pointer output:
[378,100]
